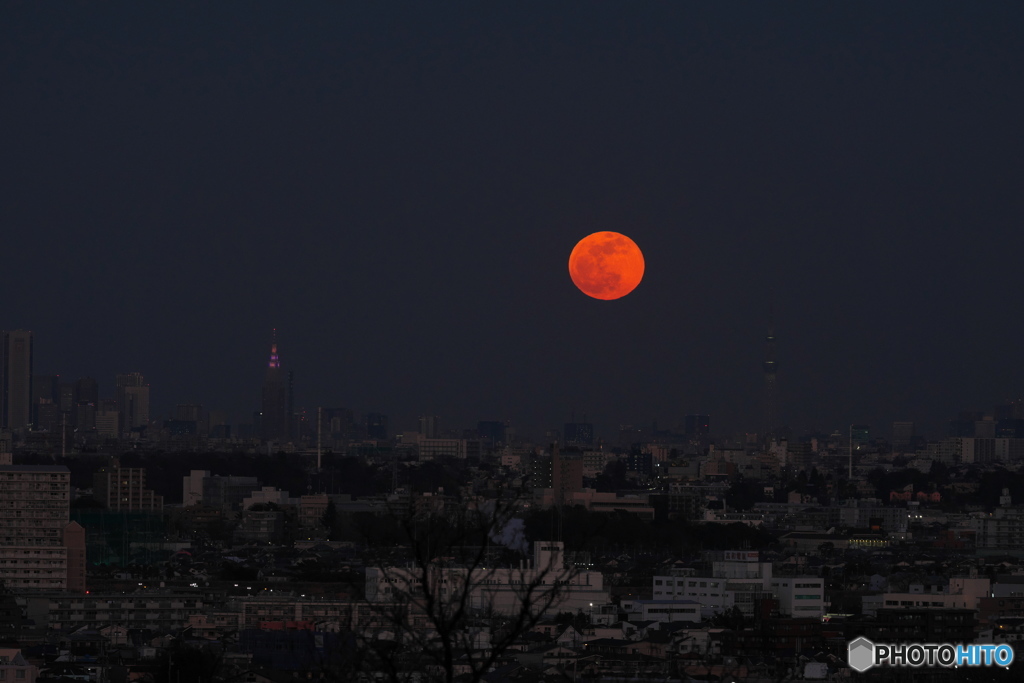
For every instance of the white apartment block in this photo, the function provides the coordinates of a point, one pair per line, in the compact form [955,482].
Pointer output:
[800,596]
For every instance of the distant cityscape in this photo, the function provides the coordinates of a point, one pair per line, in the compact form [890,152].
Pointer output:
[48,411]
[134,547]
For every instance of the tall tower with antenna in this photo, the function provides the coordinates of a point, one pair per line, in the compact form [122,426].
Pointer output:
[771,417]
[275,398]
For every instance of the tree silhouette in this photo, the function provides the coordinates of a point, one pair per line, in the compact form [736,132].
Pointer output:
[452,599]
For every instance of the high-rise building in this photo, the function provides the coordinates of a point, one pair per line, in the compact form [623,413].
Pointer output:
[561,473]
[88,390]
[274,417]
[44,390]
[430,427]
[108,419]
[74,542]
[34,513]
[697,426]
[902,433]
[67,404]
[48,416]
[579,433]
[6,458]
[190,412]
[15,379]
[377,426]
[771,418]
[88,397]
[294,427]
[491,432]
[860,436]
[132,401]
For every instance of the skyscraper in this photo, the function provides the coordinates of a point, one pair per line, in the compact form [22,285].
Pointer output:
[430,426]
[579,433]
[15,379]
[492,432]
[377,426]
[132,401]
[274,418]
[697,426]
[88,401]
[44,391]
[770,400]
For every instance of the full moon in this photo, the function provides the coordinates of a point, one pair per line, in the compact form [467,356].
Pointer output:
[606,265]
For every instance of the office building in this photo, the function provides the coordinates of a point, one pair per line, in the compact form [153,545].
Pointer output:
[88,398]
[430,427]
[108,419]
[15,379]
[44,390]
[697,426]
[132,401]
[377,426]
[579,434]
[902,434]
[770,369]
[67,397]
[491,432]
[87,389]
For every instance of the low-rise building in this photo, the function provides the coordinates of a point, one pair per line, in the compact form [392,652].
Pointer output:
[599,501]
[556,587]
[15,668]
[960,593]
[662,610]
[158,610]
[800,596]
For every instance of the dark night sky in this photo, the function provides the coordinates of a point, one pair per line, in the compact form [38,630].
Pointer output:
[397,187]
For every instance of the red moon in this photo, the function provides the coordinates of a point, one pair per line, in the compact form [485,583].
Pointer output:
[606,265]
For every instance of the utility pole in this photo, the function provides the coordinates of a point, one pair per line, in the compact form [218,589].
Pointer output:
[319,418]
[850,474]
[63,435]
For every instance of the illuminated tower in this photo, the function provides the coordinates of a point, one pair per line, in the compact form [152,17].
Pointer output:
[769,367]
[274,421]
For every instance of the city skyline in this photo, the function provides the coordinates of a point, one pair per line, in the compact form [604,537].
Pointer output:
[399,195]
[85,408]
